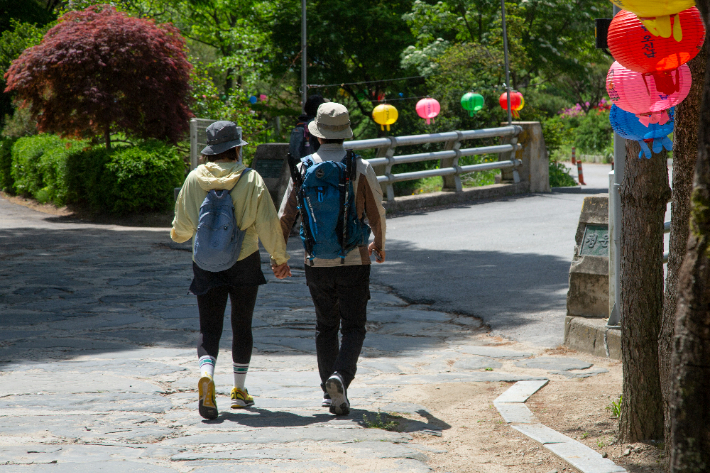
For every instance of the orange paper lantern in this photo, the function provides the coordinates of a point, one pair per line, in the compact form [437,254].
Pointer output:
[635,48]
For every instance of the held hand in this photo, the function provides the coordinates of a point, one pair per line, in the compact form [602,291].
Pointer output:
[281,271]
[379,254]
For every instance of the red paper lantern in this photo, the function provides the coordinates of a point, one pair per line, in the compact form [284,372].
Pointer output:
[635,48]
[516,102]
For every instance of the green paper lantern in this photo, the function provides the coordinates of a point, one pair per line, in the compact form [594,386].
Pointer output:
[472,102]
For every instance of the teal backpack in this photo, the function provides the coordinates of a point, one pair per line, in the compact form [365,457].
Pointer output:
[330,227]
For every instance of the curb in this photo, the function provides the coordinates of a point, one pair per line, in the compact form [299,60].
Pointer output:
[511,406]
[590,335]
[435,199]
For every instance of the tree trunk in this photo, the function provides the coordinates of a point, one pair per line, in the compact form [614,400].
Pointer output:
[685,152]
[690,396]
[644,195]
[107,138]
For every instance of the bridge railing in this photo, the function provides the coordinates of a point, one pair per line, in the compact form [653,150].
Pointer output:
[449,167]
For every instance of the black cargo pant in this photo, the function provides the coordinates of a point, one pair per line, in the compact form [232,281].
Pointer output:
[340,295]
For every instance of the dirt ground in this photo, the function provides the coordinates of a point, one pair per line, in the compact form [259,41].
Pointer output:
[475,438]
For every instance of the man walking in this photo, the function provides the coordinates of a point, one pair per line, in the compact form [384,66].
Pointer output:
[339,285]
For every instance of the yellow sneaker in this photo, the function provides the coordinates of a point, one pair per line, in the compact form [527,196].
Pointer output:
[207,404]
[241,398]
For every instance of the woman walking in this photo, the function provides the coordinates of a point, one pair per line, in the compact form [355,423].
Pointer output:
[223,182]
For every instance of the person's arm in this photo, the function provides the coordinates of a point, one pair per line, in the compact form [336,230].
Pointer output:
[371,193]
[267,224]
[186,216]
[289,210]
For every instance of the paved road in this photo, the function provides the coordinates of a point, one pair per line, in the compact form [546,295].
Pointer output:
[505,261]
[98,368]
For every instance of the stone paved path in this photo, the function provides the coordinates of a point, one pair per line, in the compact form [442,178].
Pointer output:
[98,367]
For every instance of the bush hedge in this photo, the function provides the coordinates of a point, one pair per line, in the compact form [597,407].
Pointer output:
[122,180]
[6,180]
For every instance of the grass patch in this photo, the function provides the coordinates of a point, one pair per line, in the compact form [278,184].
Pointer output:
[382,421]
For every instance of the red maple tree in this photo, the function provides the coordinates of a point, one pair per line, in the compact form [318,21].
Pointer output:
[100,71]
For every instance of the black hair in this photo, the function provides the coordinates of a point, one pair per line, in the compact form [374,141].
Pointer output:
[230,154]
[312,103]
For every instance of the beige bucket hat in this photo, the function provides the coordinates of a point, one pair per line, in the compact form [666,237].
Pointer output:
[332,122]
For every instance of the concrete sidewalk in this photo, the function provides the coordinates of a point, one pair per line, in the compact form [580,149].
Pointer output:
[98,368]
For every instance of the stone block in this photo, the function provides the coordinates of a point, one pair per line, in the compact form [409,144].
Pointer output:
[588,294]
[592,336]
[535,169]
[270,161]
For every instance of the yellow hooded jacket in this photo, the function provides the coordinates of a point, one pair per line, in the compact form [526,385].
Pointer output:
[253,208]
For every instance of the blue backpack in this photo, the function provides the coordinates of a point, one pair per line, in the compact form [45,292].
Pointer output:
[218,240]
[330,227]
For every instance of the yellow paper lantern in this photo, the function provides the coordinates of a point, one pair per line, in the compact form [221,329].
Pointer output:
[656,15]
[385,115]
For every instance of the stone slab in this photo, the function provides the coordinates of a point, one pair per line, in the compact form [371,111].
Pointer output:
[473,377]
[493,352]
[93,402]
[592,336]
[554,363]
[581,374]
[247,454]
[93,467]
[541,433]
[273,467]
[515,412]
[25,382]
[583,458]
[476,362]
[521,391]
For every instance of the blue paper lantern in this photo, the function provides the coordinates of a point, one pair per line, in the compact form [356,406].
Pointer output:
[253,99]
[628,126]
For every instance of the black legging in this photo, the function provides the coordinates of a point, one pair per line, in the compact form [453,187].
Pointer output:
[211,306]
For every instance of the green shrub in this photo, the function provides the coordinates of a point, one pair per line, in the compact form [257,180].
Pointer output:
[39,167]
[559,175]
[6,180]
[140,178]
[123,180]
[594,133]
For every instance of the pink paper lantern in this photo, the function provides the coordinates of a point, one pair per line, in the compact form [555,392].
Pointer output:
[648,95]
[428,108]
[263,97]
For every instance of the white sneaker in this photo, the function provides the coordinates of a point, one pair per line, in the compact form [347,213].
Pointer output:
[335,386]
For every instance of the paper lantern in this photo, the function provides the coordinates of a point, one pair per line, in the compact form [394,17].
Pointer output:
[428,108]
[263,98]
[472,102]
[648,96]
[253,99]
[656,15]
[635,48]
[385,115]
[516,102]
[628,126]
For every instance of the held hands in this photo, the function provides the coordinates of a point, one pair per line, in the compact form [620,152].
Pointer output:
[281,271]
[379,254]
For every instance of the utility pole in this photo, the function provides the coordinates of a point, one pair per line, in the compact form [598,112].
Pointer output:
[507,68]
[304,61]
[615,224]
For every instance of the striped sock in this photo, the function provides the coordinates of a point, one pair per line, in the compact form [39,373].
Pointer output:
[240,374]
[207,366]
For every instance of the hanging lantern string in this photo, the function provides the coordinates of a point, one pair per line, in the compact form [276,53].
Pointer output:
[321,86]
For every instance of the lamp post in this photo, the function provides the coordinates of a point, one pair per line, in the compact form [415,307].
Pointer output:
[507,68]
[304,62]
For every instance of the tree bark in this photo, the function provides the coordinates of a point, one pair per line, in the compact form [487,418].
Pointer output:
[690,397]
[685,152]
[644,195]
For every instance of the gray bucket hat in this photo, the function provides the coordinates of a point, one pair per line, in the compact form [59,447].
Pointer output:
[221,136]
[332,122]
